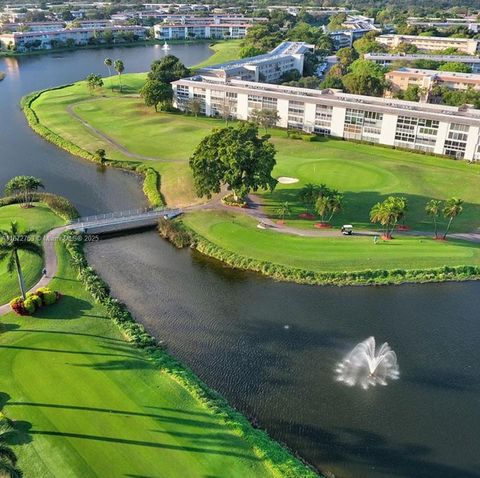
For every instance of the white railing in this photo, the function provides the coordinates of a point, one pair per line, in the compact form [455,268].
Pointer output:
[116,215]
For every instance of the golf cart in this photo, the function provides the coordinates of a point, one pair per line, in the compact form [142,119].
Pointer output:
[347,229]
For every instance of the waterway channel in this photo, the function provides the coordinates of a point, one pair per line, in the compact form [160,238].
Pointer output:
[271,348]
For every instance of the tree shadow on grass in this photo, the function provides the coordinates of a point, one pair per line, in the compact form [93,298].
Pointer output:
[69,307]
[165,446]
[4,327]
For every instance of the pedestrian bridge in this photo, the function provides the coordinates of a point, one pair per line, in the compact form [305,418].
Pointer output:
[122,220]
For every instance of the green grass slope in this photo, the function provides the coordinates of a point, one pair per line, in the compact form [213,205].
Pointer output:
[88,404]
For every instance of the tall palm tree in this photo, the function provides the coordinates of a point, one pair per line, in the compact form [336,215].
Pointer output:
[108,63]
[119,68]
[453,207]
[283,210]
[432,209]
[8,459]
[335,200]
[13,241]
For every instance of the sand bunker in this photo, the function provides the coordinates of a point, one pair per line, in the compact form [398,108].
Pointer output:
[287,180]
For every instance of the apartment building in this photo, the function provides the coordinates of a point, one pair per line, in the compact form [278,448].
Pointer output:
[468,46]
[445,23]
[386,59]
[210,30]
[22,41]
[402,78]
[268,67]
[31,26]
[431,128]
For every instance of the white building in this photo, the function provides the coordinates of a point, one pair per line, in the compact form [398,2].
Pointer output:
[268,67]
[445,23]
[21,41]
[209,30]
[431,128]
[386,59]
[469,46]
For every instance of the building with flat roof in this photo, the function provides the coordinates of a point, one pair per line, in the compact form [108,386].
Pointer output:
[207,30]
[445,23]
[386,59]
[469,46]
[430,128]
[402,78]
[22,41]
[268,67]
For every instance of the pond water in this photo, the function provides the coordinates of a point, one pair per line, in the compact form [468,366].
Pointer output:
[271,348]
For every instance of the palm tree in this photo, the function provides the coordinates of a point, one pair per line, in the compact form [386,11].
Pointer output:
[432,209]
[119,68]
[13,241]
[309,195]
[335,200]
[283,210]
[24,187]
[388,213]
[453,207]
[108,63]
[8,459]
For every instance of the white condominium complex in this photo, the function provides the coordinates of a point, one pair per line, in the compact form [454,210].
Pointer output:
[464,45]
[387,59]
[269,67]
[431,128]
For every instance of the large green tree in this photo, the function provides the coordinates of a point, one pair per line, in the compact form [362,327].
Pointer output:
[24,187]
[236,157]
[154,92]
[388,213]
[12,241]
[168,69]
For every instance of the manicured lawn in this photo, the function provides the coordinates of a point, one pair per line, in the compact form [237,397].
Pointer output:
[224,51]
[364,174]
[91,405]
[40,218]
[238,233]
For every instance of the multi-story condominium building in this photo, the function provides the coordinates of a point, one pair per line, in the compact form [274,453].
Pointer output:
[469,46]
[386,59]
[90,24]
[402,78]
[431,128]
[210,30]
[345,38]
[32,26]
[444,24]
[268,67]
[22,41]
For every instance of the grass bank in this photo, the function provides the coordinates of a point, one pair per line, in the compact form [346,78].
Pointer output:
[107,407]
[42,219]
[229,237]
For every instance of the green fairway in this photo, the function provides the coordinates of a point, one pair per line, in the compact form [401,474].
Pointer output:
[91,405]
[364,174]
[238,233]
[223,51]
[40,218]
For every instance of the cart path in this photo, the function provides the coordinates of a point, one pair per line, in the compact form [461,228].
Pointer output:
[109,139]
[50,261]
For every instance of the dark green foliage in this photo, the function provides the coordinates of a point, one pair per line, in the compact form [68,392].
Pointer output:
[168,69]
[174,232]
[236,157]
[154,92]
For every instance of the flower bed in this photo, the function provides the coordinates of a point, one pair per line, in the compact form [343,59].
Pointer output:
[322,225]
[307,215]
[230,201]
[34,301]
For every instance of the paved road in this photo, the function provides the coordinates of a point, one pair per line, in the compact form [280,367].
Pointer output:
[50,262]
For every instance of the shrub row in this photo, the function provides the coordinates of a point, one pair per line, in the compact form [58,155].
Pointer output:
[278,458]
[60,205]
[151,186]
[41,297]
[365,277]
[175,232]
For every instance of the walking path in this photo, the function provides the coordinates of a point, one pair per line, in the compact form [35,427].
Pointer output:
[50,262]
[112,141]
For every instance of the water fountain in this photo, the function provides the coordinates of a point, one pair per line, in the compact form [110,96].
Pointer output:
[365,366]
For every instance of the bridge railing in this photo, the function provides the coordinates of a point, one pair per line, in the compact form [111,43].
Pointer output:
[117,215]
